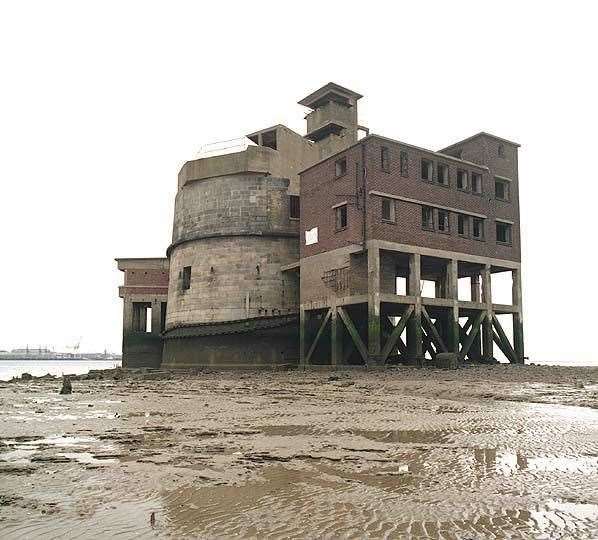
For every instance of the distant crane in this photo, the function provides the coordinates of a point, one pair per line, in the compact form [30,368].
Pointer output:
[75,347]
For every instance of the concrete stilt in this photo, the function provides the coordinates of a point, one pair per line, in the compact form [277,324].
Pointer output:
[374,305]
[518,317]
[487,332]
[414,329]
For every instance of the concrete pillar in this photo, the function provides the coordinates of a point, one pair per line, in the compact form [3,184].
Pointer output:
[487,339]
[336,338]
[475,288]
[156,316]
[452,286]
[127,315]
[414,327]
[373,304]
[302,321]
[475,351]
[518,316]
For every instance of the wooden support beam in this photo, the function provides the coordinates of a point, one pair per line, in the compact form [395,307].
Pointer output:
[452,285]
[336,338]
[432,331]
[475,328]
[506,348]
[318,336]
[356,338]
[374,303]
[487,337]
[428,345]
[396,334]
[518,317]
[302,322]
[414,333]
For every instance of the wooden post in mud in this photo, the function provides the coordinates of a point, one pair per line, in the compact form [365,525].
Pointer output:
[414,326]
[452,287]
[487,331]
[518,317]
[336,338]
[302,315]
[475,351]
[373,305]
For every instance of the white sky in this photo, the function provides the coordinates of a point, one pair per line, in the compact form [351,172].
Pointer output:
[102,102]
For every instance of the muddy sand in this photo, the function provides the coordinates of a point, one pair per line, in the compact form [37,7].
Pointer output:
[482,452]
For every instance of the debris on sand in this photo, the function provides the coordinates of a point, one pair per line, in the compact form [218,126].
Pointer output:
[67,387]
[26,377]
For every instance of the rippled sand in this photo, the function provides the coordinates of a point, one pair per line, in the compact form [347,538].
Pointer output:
[488,452]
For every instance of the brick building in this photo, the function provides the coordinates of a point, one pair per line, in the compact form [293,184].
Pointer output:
[253,277]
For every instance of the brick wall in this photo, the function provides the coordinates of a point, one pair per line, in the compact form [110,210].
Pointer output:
[320,191]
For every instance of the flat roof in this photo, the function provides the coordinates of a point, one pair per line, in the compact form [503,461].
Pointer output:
[327,89]
[154,263]
[407,145]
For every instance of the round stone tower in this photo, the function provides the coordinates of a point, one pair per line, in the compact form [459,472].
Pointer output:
[230,303]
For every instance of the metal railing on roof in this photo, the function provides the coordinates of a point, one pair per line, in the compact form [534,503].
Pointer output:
[220,148]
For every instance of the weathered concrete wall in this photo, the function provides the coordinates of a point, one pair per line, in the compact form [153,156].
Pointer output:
[268,348]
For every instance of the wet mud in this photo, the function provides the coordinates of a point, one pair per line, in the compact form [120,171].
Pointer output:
[486,452]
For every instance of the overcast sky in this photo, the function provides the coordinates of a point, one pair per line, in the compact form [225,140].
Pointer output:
[102,102]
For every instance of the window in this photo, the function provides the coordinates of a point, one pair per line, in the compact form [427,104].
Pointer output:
[269,139]
[340,213]
[462,180]
[501,150]
[388,210]
[463,225]
[443,221]
[443,174]
[427,218]
[385,158]
[186,278]
[427,171]
[501,189]
[503,233]
[476,183]
[404,163]
[477,228]
[294,208]
[340,167]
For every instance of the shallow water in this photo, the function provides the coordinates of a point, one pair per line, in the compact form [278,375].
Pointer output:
[222,458]
[37,368]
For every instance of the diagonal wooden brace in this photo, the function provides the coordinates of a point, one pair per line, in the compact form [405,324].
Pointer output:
[475,328]
[396,334]
[318,336]
[359,345]
[432,331]
[503,340]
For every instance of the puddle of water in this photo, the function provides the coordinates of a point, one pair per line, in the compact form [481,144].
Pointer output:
[406,436]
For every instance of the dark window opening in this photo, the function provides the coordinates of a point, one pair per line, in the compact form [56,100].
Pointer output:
[388,210]
[443,174]
[142,317]
[476,183]
[501,150]
[341,217]
[477,228]
[462,181]
[427,171]
[463,225]
[294,207]
[340,167]
[404,163]
[269,139]
[503,233]
[427,218]
[443,221]
[501,190]
[385,158]
[186,278]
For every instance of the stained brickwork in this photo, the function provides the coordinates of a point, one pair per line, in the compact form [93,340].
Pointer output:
[323,191]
